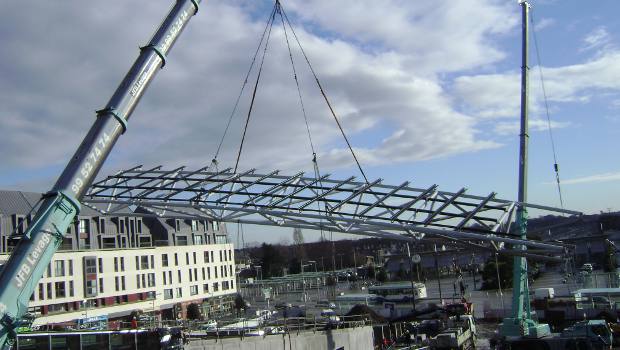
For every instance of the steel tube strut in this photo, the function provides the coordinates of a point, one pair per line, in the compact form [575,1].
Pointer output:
[21,273]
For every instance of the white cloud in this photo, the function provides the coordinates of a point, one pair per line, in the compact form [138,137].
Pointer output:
[544,23]
[513,128]
[497,95]
[375,72]
[598,38]
[605,177]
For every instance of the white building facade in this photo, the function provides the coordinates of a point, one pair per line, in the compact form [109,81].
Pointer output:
[113,266]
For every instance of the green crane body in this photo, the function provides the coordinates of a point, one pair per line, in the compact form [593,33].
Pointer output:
[521,323]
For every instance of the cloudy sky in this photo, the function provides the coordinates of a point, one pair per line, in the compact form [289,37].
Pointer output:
[427,91]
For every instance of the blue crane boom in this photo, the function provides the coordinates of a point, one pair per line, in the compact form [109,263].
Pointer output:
[29,259]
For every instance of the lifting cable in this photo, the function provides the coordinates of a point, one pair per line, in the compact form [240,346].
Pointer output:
[315,164]
[323,93]
[245,82]
[260,70]
[542,83]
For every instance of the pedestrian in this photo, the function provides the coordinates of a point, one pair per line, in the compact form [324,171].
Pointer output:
[134,323]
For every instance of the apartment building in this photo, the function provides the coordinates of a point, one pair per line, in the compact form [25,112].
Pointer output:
[112,266]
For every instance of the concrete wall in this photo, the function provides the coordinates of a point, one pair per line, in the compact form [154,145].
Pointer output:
[350,338]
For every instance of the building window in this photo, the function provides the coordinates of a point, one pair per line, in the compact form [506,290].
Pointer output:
[208,272]
[194,225]
[143,280]
[91,288]
[177,225]
[193,290]
[152,261]
[71,289]
[206,257]
[59,268]
[197,239]
[84,227]
[49,290]
[212,259]
[138,281]
[144,262]
[164,274]
[121,226]
[170,277]
[187,258]
[100,265]
[123,282]
[101,225]
[221,256]
[151,279]
[164,260]
[181,240]
[194,254]
[203,274]
[100,285]
[48,272]
[116,264]
[176,259]
[41,291]
[216,226]
[179,292]
[179,276]
[122,264]
[137,262]
[90,265]
[191,276]
[139,226]
[216,286]
[70,267]
[205,288]
[168,294]
[59,287]
[117,284]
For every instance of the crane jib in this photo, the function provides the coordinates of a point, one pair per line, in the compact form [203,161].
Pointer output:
[29,259]
[32,259]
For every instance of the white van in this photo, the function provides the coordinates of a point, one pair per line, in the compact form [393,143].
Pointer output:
[543,293]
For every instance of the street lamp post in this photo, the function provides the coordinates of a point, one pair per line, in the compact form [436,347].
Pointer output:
[153,305]
[303,281]
[316,274]
[411,277]
[85,304]
[438,275]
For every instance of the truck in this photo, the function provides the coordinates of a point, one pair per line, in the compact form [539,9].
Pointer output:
[460,333]
[59,207]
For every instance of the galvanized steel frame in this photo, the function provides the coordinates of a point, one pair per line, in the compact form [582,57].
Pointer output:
[348,206]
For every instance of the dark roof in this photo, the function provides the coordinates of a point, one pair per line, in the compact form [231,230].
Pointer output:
[20,202]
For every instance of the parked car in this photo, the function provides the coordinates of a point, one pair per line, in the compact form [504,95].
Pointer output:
[326,304]
[274,330]
[587,267]
[282,306]
[210,325]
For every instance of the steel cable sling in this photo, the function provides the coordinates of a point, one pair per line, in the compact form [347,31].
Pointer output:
[260,70]
[544,91]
